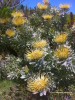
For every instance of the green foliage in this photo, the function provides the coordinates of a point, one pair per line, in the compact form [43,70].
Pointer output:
[5,12]
[20,43]
[5,88]
[61,71]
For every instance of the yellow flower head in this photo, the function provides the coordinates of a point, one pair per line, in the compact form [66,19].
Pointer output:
[35,55]
[19,21]
[10,32]
[38,83]
[3,20]
[17,14]
[42,7]
[46,2]
[62,53]
[64,6]
[61,38]
[40,44]
[47,17]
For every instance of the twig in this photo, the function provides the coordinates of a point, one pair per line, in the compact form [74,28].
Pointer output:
[62,93]
[17,4]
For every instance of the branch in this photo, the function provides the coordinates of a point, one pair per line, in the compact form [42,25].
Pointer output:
[62,93]
[17,4]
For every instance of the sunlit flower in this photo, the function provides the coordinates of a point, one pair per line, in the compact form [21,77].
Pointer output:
[40,44]
[3,20]
[38,83]
[10,32]
[47,17]
[17,14]
[42,7]
[35,55]
[61,38]
[64,6]
[19,21]
[46,2]
[62,53]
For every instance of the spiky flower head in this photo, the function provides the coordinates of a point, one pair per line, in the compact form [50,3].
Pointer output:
[19,21]
[38,83]
[62,53]
[10,32]
[47,17]
[64,6]
[42,6]
[35,55]
[62,38]
[40,44]
[17,14]
[46,2]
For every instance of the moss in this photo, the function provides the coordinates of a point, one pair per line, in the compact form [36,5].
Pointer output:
[5,87]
